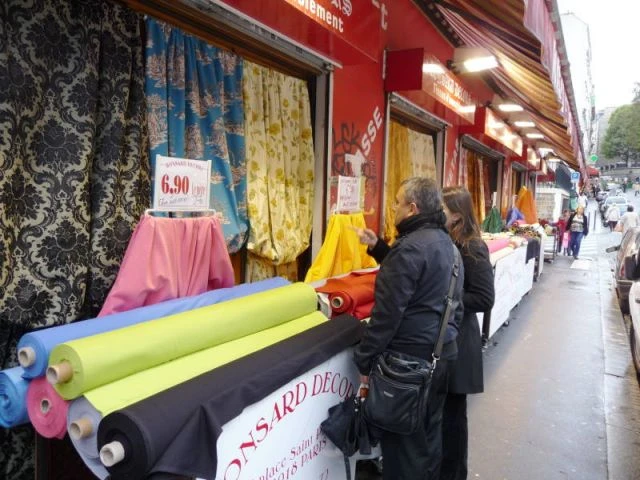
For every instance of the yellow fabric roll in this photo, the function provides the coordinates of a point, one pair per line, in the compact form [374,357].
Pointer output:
[399,168]
[341,251]
[527,205]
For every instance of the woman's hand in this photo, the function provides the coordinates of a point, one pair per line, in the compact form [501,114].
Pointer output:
[366,236]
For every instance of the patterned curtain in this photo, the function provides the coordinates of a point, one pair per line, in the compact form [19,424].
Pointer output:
[195,110]
[473,179]
[398,169]
[74,175]
[280,163]
[422,154]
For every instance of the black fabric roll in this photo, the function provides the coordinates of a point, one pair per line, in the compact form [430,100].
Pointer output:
[176,430]
[533,248]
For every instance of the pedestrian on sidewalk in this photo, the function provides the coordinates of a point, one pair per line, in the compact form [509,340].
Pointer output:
[629,220]
[465,374]
[578,226]
[636,189]
[612,216]
[409,303]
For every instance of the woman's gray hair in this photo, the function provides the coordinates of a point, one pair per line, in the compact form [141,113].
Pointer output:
[424,192]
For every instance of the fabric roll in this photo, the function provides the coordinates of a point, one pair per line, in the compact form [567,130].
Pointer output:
[170,258]
[175,432]
[108,398]
[107,357]
[497,244]
[341,251]
[85,441]
[13,397]
[42,342]
[353,294]
[47,410]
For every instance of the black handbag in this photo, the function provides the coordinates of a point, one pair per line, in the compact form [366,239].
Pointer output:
[399,384]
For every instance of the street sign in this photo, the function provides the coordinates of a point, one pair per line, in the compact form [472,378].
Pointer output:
[575,176]
[593,158]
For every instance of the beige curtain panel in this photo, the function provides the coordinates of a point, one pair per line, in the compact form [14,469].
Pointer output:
[280,165]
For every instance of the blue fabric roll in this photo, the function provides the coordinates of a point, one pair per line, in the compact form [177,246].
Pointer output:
[13,398]
[43,341]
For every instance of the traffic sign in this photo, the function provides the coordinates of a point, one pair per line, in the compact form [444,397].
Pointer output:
[593,158]
[575,176]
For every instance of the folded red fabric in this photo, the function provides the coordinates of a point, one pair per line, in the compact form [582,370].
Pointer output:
[497,244]
[352,294]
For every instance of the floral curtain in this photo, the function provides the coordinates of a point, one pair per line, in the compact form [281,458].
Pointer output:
[280,165]
[422,154]
[195,110]
[74,176]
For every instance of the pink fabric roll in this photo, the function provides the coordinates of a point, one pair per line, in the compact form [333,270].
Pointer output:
[497,244]
[170,258]
[47,409]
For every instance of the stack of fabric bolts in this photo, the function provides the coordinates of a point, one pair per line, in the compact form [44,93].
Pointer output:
[98,367]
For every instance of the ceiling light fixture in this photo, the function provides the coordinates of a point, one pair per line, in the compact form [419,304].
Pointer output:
[524,124]
[535,135]
[472,60]
[434,68]
[510,107]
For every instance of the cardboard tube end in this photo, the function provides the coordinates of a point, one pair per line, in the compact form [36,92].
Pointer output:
[45,405]
[337,302]
[81,428]
[26,357]
[60,373]
[111,454]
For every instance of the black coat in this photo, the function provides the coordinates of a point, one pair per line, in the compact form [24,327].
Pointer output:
[409,296]
[465,374]
[585,225]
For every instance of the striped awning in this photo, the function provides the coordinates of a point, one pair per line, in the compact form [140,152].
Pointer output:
[522,36]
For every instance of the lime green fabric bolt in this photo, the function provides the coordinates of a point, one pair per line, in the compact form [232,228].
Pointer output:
[109,356]
[126,391]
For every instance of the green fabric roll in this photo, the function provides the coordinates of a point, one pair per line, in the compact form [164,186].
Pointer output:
[104,358]
[493,222]
[141,385]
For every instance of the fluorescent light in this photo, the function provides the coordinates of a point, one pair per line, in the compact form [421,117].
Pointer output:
[480,63]
[432,68]
[510,107]
[497,125]
[535,135]
[524,123]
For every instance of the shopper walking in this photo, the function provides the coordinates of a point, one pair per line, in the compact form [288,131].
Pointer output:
[578,226]
[629,219]
[465,374]
[410,288]
[612,216]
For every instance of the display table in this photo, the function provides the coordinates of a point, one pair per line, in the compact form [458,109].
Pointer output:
[513,278]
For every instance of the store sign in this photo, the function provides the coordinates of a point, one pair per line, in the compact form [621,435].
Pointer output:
[533,159]
[279,437]
[495,128]
[181,184]
[444,87]
[359,23]
[348,194]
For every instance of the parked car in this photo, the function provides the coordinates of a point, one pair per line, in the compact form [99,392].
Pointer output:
[624,268]
[621,202]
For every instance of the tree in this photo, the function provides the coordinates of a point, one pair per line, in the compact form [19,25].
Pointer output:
[622,140]
[636,93]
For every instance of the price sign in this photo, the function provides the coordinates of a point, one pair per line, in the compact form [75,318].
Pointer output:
[348,194]
[181,184]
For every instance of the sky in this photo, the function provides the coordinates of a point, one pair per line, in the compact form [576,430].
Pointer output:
[615,44]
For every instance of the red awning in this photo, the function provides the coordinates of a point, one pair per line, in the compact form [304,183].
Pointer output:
[522,36]
[593,172]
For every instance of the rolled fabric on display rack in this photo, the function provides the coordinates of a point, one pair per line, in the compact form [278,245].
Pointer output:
[86,412]
[34,348]
[82,423]
[13,398]
[81,365]
[353,294]
[47,410]
[176,431]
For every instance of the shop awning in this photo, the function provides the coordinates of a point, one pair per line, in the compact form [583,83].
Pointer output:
[522,36]
[593,172]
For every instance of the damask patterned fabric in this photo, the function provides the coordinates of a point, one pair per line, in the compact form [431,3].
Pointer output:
[195,110]
[74,175]
[280,165]
[422,154]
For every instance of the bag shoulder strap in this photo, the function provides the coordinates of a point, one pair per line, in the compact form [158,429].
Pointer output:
[448,310]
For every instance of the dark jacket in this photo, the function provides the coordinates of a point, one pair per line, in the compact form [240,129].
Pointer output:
[409,295]
[585,225]
[465,374]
